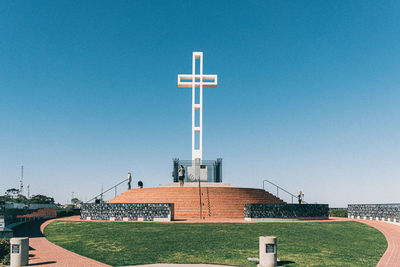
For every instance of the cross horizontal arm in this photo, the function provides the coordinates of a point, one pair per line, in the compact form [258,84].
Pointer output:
[186,80]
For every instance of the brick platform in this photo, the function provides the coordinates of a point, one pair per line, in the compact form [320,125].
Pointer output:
[216,202]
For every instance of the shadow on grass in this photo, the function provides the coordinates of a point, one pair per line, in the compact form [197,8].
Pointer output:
[283,263]
[29,229]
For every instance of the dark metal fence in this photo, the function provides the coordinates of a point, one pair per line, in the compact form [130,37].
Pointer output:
[208,170]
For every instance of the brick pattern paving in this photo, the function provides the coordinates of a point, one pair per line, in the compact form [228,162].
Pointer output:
[48,254]
[391,257]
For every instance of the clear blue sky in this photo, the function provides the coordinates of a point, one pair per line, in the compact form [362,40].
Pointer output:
[308,94]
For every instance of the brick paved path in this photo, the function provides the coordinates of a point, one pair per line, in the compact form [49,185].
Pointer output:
[43,252]
[46,253]
[391,257]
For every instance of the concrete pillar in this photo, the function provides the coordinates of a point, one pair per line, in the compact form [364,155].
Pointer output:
[197,163]
[268,251]
[19,251]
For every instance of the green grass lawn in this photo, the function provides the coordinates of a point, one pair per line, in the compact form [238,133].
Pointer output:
[303,244]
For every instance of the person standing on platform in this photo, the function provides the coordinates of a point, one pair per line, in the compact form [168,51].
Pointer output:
[129,180]
[300,197]
[181,175]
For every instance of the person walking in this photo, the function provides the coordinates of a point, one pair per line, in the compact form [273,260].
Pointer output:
[181,176]
[129,180]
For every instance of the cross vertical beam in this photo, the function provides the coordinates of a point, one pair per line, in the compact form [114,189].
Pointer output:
[200,81]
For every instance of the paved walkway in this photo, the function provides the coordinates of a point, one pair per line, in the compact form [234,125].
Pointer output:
[391,257]
[46,253]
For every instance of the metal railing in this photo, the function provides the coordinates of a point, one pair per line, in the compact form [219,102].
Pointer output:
[280,188]
[100,196]
[209,170]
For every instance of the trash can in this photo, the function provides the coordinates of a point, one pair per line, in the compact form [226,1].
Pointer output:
[268,251]
[19,251]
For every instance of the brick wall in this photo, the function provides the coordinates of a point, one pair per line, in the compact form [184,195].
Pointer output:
[21,212]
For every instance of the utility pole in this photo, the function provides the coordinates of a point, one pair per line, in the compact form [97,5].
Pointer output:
[21,181]
[29,193]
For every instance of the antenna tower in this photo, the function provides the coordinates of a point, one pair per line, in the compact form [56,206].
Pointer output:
[21,182]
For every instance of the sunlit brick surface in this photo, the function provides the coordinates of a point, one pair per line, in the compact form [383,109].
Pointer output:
[216,202]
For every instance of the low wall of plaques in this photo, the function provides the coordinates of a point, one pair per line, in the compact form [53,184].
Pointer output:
[128,211]
[260,212]
[381,212]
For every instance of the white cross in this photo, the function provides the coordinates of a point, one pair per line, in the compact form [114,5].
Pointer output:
[197,80]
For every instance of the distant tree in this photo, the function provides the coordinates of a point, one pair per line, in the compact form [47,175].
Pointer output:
[21,199]
[12,192]
[5,198]
[41,199]
[75,201]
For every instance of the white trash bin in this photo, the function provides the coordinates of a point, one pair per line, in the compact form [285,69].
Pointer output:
[19,251]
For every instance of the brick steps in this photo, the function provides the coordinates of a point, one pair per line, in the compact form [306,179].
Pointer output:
[220,202]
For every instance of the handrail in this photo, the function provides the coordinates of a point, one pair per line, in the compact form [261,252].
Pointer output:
[102,193]
[201,209]
[277,190]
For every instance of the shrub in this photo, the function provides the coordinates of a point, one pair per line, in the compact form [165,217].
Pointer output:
[5,251]
[61,213]
[338,213]
[68,212]
[6,260]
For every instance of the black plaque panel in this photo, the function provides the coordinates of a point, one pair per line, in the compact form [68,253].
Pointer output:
[15,249]
[269,248]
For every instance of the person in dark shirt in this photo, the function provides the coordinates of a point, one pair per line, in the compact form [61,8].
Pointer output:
[140,184]
[300,197]
[181,175]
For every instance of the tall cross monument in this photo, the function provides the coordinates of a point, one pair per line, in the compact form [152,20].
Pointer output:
[197,81]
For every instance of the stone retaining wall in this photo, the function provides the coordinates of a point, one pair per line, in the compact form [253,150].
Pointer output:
[22,212]
[13,214]
[128,211]
[382,212]
[258,212]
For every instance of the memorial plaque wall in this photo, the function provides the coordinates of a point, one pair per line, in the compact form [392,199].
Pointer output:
[127,211]
[386,212]
[286,211]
